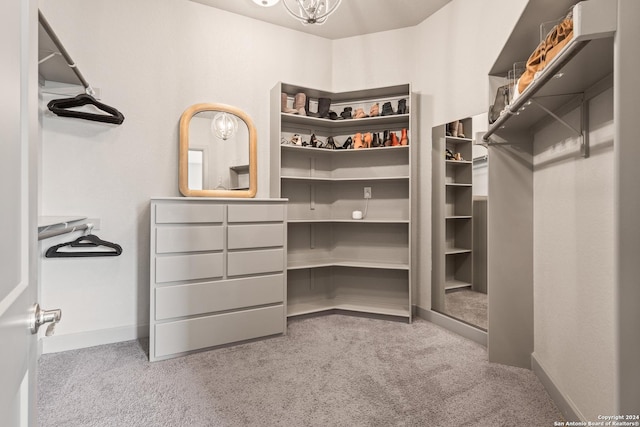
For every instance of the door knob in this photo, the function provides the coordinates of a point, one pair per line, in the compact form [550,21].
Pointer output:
[40,317]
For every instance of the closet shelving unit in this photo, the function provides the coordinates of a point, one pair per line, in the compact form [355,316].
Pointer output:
[584,66]
[581,71]
[452,207]
[335,262]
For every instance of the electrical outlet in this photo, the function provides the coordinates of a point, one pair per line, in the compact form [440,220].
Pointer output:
[367,192]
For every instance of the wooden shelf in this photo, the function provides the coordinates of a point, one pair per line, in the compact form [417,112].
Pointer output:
[321,179]
[458,162]
[360,151]
[298,309]
[315,122]
[456,251]
[455,284]
[320,263]
[356,221]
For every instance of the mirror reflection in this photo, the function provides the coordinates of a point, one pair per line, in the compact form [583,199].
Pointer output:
[217,152]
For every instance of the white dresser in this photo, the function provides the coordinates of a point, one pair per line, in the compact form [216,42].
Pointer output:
[218,272]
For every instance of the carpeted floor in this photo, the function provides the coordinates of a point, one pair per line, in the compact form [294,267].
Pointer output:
[331,370]
[468,306]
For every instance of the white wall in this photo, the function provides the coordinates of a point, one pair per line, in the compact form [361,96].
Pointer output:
[574,280]
[151,59]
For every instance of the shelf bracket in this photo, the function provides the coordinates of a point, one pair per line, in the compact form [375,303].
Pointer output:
[584,119]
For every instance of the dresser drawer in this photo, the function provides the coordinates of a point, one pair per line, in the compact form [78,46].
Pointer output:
[189,239]
[188,267]
[255,212]
[195,213]
[255,262]
[208,331]
[255,236]
[209,297]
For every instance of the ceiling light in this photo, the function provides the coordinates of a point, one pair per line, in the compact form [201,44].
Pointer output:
[266,3]
[311,11]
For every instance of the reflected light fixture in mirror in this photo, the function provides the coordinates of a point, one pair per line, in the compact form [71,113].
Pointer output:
[224,125]
[218,152]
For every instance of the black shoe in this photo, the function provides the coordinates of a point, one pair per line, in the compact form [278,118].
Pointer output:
[314,140]
[386,139]
[331,144]
[402,106]
[346,114]
[347,144]
[376,140]
[386,109]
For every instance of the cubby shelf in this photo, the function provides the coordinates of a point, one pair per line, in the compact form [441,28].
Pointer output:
[298,309]
[315,122]
[452,214]
[298,265]
[335,262]
[368,178]
[456,284]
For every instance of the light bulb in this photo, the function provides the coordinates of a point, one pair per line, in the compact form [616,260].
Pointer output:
[224,125]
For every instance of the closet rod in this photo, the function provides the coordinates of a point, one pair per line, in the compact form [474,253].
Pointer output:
[64,53]
[59,231]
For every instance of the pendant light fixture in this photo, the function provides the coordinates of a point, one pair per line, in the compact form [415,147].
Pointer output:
[306,11]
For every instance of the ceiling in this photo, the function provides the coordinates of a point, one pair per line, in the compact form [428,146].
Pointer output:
[352,18]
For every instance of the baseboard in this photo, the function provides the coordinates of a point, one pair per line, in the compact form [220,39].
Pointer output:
[57,343]
[455,326]
[564,403]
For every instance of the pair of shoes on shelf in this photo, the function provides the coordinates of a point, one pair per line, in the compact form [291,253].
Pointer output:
[324,105]
[455,129]
[299,104]
[346,113]
[359,114]
[362,141]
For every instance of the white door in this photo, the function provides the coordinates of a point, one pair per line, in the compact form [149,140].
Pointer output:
[18,221]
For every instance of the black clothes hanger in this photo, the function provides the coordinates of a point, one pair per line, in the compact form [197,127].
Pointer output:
[90,240]
[59,107]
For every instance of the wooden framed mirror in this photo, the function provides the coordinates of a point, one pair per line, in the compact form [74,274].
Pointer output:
[218,152]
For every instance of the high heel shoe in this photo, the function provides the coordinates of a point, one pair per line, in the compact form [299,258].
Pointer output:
[331,144]
[359,114]
[347,144]
[314,140]
[376,140]
[386,109]
[402,106]
[346,113]
[404,140]
[460,130]
[296,139]
[375,110]
[394,140]
[358,142]
[367,140]
[283,104]
[386,138]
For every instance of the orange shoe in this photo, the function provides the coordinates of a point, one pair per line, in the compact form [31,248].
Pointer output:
[358,142]
[394,140]
[404,140]
[367,140]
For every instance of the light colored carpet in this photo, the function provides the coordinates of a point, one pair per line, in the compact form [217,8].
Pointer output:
[331,370]
[468,306]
